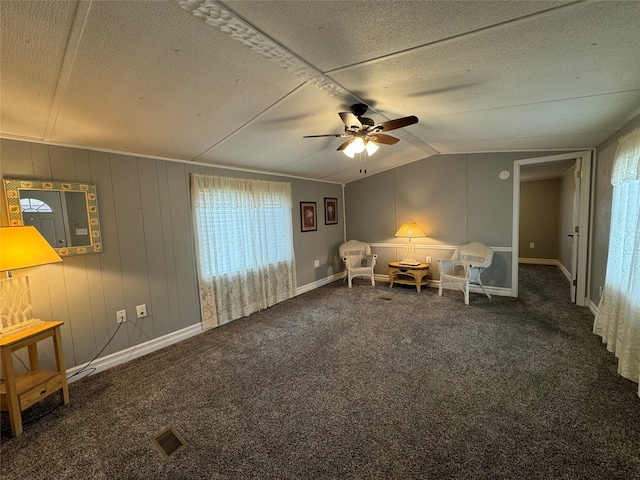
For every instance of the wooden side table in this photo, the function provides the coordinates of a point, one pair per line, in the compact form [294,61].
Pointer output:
[417,275]
[19,393]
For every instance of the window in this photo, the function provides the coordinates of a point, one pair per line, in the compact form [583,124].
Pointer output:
[234,245]
[244,241]
[30,205]
[618,318]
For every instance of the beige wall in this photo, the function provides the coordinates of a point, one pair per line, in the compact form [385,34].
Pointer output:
[539,217]
[148,245]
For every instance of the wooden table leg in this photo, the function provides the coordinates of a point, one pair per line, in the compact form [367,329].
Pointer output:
[57,347]
[15,416]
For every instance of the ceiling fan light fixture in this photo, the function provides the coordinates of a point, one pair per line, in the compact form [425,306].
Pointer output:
[364,131]
[356,146]
[371,147]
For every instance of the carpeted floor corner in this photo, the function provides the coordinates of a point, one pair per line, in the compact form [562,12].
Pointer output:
[361,383]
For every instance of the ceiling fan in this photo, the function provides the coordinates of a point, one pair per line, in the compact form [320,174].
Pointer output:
[364,133]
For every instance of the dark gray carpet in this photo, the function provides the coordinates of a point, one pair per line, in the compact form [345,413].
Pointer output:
[361,383]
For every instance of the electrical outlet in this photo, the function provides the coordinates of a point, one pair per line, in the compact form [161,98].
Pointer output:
[316,263]
[532,245]
[428,258]
[141,311]
[121,316]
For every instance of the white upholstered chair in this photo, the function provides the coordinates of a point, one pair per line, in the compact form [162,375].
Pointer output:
[464,268]
[358,259]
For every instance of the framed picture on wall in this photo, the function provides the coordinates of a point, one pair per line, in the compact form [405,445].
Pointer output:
[330,211]
[308,216]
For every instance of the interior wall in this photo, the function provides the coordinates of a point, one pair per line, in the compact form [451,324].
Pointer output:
[539,219]
[455,198]
[602,193]
[149,254]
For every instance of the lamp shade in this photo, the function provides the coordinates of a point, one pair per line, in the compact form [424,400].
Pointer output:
[410,230]
[371,148]
[22,247]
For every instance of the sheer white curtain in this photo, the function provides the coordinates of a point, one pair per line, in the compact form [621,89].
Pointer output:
[244,242]
[618,317]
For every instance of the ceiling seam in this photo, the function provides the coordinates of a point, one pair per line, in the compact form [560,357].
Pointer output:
[231,24]
[455,38]
[516,105]
[77,29]
[247,123]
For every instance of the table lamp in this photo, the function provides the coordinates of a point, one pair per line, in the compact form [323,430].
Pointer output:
[20,247]
[410,230]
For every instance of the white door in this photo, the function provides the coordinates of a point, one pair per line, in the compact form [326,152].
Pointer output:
[574,232]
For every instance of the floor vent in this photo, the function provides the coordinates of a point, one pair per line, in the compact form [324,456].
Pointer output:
[169,442]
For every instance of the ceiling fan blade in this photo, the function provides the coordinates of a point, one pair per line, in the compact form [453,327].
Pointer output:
[350,121]
[345,144]
[329,135]
[383,139]
[397,123]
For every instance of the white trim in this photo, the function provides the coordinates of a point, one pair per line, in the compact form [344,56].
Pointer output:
[123,356]
[141,349]
[319,283]
[585,227]
[592,306]
[432,246]
[565,272]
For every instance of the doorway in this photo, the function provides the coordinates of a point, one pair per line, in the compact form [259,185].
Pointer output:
[579,227]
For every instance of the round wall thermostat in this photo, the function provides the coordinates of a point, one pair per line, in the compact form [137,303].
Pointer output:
[504,174]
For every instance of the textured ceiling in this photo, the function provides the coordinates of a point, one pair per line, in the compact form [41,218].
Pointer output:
[239,83]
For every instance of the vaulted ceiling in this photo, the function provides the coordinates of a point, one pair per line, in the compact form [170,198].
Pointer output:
[239,83]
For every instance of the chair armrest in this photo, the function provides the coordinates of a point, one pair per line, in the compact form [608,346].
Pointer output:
[447,266]
[478,265]
[370,260]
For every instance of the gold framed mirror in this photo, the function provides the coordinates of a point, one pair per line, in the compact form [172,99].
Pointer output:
[65,213]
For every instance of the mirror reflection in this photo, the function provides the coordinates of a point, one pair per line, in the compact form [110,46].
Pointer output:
[66,214]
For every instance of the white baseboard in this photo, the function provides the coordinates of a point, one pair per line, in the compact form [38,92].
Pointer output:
[123,356]
[592,306]
[319,283]
[565,272]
